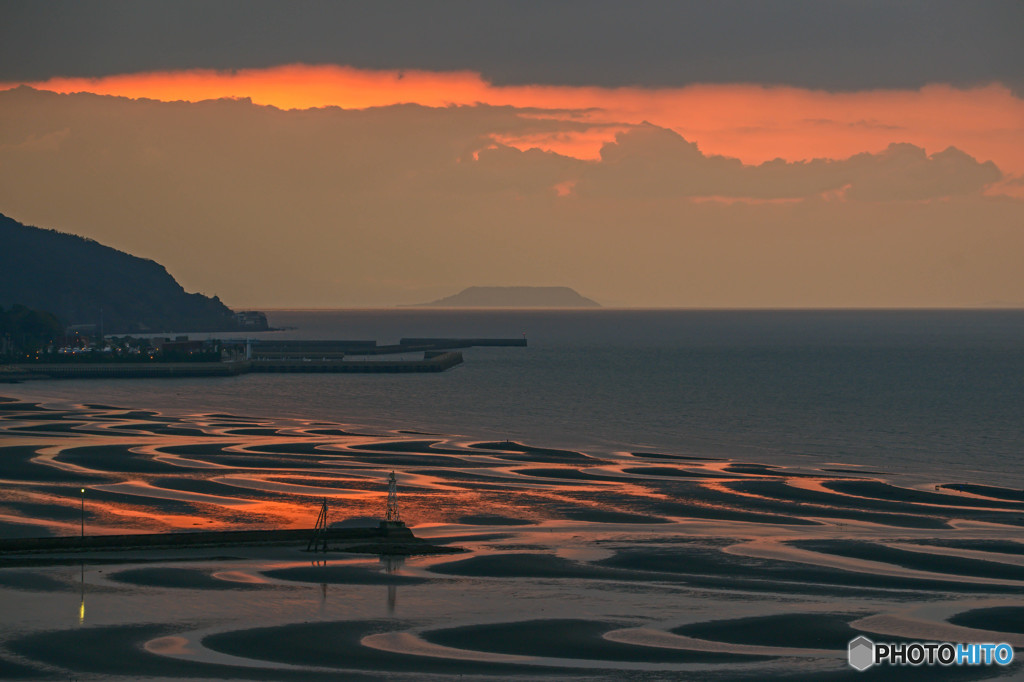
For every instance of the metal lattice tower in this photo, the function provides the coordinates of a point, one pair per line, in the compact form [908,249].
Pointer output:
[392,510]
[319,540]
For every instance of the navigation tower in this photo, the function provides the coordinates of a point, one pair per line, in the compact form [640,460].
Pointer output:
[391,515]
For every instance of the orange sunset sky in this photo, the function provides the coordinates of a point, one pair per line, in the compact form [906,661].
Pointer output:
[752,123]
[307,178]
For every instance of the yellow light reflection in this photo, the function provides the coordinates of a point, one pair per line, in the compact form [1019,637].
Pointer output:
[81,606]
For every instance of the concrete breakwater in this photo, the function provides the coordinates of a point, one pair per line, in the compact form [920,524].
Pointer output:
[373,539]
[432,362]
[461,343]
[288,348]
[115,370]
[275,356]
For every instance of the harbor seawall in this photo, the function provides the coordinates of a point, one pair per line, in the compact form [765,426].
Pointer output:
[276,356]
[117,370]
[432,362]
[440,342]
[200,539]
[385,539]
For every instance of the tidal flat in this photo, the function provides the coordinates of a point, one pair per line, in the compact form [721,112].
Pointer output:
[617,565]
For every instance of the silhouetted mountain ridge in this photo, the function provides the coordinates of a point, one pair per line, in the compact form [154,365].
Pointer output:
[514,297]
[75,277]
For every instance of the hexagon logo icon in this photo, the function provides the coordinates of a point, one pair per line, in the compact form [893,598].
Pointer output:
[861,653]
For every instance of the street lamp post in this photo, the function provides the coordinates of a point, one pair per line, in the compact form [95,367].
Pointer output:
[83,513]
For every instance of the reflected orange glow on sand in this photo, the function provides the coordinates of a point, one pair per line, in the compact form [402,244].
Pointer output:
[141,518]
[448,487]
[751,122]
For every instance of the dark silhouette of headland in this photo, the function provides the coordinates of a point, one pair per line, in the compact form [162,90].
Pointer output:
[84,283]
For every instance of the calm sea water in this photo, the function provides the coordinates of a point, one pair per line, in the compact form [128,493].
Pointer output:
[929,395]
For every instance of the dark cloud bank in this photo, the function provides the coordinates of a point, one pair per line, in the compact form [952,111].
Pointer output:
[839,46]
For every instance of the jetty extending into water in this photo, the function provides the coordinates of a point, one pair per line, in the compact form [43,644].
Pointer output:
[460,343]
[384,539]
[431,362]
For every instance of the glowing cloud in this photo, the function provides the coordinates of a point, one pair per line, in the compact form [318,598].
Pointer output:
[724,197]
[749,122]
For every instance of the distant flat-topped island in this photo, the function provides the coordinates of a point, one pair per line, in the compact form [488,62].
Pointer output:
[513,297]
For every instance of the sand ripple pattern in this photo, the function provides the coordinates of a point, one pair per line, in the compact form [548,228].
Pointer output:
[577,563]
